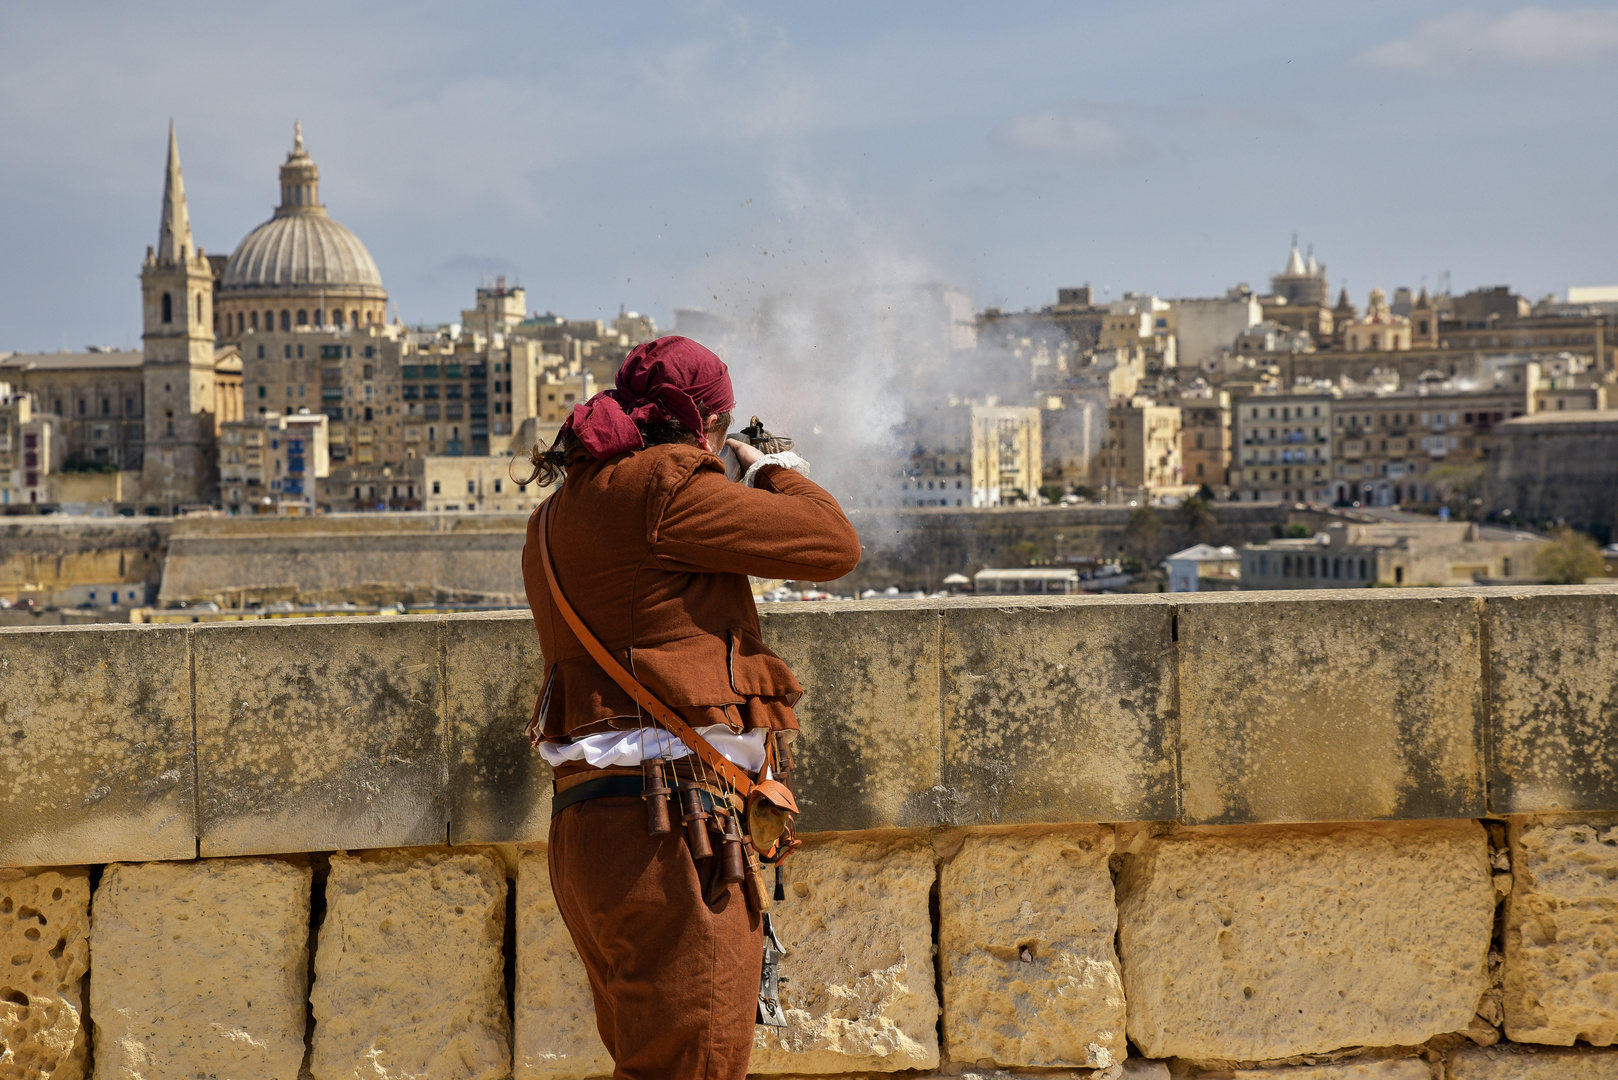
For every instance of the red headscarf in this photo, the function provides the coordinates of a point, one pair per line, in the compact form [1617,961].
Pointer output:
[672,378]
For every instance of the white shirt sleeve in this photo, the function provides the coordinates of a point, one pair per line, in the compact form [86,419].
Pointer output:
[786,459]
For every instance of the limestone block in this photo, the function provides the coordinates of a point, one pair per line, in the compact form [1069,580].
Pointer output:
[1385,1069]
[409,968]
[868,753]
[1026,927]
[1260,943]
[1554,678]
[95,745]
[44,932]
[1508,1062]
[1561,966]
[1059,710]
[200,969]
[500,788]
[1331,706]
[858,934]
[320,735]
[555,1015]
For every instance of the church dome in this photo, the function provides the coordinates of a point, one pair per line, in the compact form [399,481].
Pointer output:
[301,248]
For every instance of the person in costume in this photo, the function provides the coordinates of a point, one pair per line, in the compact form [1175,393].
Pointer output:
[651,545]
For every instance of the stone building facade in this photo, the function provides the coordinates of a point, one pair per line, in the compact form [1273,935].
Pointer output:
[31,447]
[1141,449]
[1281,447]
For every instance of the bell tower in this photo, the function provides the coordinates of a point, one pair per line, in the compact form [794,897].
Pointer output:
[176,284]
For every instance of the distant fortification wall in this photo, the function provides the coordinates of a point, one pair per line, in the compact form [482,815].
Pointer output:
[1557,467]
[476,558]
[917,549]
[361,558]
[62,560]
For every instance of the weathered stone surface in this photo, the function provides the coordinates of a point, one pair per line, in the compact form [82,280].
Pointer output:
[95,746]
[44,933]
[1385,1069]
[499,786]
[1026,926]
[1059,710]
[1554,685]
[555,1016]
[409,970]
[1509,1062]
[1561,969]
[320,734]
[1260,943]
[1322,707]
[858,935]
[200,969]
[868,756]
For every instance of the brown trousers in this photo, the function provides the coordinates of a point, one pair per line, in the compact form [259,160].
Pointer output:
[672,953]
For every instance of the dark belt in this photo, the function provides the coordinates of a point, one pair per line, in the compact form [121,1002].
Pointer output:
[615,787]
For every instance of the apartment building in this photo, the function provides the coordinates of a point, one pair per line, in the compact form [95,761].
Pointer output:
[31,443]
[270,463]
[1140,450]
[1282,448]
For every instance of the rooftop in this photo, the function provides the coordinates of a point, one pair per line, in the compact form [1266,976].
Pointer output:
[71,361]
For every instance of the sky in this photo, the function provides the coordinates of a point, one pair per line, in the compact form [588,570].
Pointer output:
[666,155]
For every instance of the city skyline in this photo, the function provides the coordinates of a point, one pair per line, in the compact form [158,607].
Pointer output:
[664,159]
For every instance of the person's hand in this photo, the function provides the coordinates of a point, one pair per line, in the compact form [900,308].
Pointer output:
[746,453]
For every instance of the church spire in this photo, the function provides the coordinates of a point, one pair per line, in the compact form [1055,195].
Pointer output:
[174,236]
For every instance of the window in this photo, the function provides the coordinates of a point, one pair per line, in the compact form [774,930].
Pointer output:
[370,350]
[261,352]
[287,351]
[168,308]
[435,488]
[497,485]
[471,487]
[263,391]
[303,317]
[253,321]
[368,373]
[286,319]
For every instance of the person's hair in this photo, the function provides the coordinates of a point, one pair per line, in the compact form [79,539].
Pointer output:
[551,463]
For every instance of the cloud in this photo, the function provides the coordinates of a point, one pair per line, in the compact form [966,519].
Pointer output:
[1077,134]
[1527,36]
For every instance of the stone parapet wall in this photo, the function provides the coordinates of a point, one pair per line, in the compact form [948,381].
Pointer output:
[153,742]
[1300,836]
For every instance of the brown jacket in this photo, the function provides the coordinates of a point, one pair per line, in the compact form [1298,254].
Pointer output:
[653,549]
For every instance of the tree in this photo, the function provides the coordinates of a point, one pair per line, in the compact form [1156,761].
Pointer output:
[1198,517]
[1142,532]
[1569,558]
[1053,492]
[1025,550]
[1459,487]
